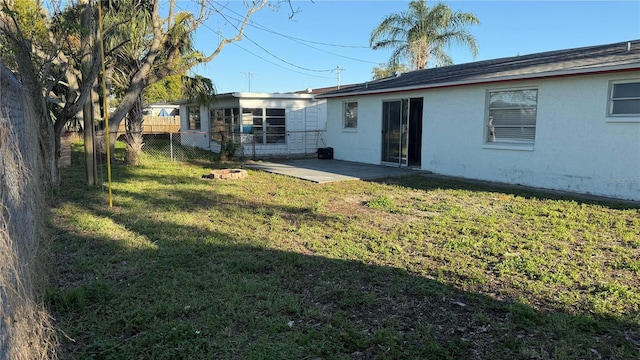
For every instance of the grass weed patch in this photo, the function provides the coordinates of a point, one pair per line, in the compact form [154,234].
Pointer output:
[274,267]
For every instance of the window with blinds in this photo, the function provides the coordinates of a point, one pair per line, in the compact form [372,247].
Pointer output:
[625,99]
[512,116]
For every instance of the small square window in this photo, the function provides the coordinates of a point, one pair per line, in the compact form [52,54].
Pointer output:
[350,115]
[624,99]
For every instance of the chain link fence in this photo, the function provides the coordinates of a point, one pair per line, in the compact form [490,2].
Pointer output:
[196,146]
[161,146]
[174,147]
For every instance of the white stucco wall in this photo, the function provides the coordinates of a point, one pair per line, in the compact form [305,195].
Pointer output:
[316,126]
[362,144]
[198,138]
[577,147]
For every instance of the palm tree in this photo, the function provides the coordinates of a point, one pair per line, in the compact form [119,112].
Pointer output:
[421,34]
[198,90]
[130,42]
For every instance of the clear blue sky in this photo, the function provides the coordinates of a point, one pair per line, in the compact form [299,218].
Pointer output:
[282,55]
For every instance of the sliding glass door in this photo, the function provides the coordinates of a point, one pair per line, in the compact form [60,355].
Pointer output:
[402,132]
[395,131]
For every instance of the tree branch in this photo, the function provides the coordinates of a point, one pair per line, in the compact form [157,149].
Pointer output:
[256,5]
[172,5]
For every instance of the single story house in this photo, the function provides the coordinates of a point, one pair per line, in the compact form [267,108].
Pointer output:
[565,120]
[259,124]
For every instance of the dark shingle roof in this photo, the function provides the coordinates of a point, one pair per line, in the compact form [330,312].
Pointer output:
[610,57]
[319,91]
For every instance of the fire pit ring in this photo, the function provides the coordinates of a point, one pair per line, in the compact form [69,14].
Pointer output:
[226,174]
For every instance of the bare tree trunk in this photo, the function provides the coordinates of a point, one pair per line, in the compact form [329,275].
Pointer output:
[134,139]
[91,175]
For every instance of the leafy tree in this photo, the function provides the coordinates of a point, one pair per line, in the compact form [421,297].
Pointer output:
[50,67]
[168,50]
[171,50]
[166,90]
[386,70]
[421,34]
[130,22]
[44,51]
[198,89]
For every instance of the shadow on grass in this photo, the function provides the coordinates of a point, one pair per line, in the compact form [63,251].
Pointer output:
[207,299]
[436,182]
[185,291]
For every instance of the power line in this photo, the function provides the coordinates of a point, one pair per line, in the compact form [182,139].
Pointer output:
[296,39]
[258,26]
[264,28]
[278,65]
[301,42]
[283,60]
[269,52]
[262,58]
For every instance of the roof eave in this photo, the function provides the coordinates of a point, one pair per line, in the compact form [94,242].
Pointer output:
[284,96]
[253,95]
[486,80]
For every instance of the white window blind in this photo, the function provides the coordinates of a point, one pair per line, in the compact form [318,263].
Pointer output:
[512,116]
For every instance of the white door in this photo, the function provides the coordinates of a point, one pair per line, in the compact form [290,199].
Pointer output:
[295,130]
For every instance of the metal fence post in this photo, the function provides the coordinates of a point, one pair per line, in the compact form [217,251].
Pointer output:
[171,145]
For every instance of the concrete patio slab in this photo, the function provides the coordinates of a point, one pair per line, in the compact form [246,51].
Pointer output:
[323,171]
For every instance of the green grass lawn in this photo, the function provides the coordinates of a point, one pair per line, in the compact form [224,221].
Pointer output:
[270,267]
